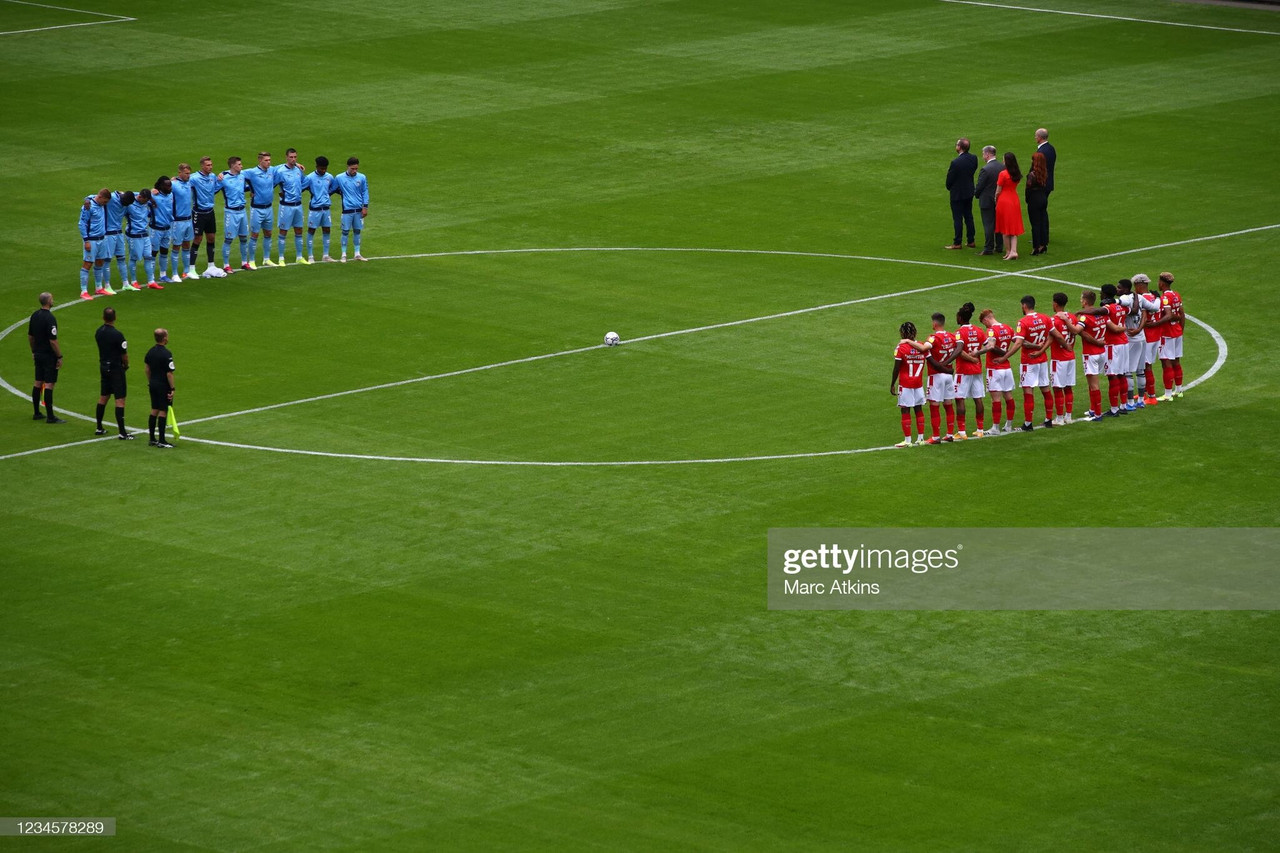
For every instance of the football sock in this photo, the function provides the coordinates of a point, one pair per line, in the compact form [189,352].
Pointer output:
[297,247]
[1009,411]
[1124,388]
[48,403]
[151,427]
[1149,378]
[1068,401]
[1168,377]
[102,273]
[979,421]
[226,253]
[120,419]
[951,417]
[208,250]
[935,418]
[324,239]
[35,397]
[1177,375]
[1095,400]
[164,262]
[84,279]
[344,242]
[1140,379]
[919,422]
[124,276]
[280,245]
[1113,391]
[195,254]
[960,422]
[102,410]
[253,250]
[1048,402]
[1028,406]
[356,241]
[906,423]
[996,410]
[150,266]
[1059,401]
[245,254]
[160,422]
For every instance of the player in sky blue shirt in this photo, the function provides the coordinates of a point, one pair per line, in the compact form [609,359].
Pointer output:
[93,234]
[262,181]
[205,185]
[115,238]
[138,229]
[290,178]
[161,227]
[319,183]
[232,187]
[354,189]
[183,230]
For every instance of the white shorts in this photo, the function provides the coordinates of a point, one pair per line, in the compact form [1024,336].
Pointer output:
[942,387]
[1064,373]
[1171,347]
[1000,380]
[969,387]
[1117,359]
[909,397]
[1035,375]
[1095,363]
[1150,352]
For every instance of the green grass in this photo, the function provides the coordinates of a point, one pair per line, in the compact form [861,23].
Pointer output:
[232,650]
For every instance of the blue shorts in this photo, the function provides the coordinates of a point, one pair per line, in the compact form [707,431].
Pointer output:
[115,245]
[319,219]
[260,219]
[159,239]
[181,232]
[290,216]
[352,221]
[99,250]
[139,249]
[234,224]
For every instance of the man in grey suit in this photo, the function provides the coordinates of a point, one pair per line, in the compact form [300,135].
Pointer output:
[960,186]
[986,192]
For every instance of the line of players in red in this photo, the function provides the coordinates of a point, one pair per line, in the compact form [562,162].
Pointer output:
[1122,338]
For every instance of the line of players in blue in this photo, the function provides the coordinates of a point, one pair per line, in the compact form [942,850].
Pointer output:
[162,226]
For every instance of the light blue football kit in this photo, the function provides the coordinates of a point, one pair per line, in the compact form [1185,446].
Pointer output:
[318,216]
[93,230]
[355,197]
[234,223]
[138,230]
[161,227]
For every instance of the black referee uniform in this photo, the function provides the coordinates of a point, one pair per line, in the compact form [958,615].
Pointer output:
[160,363]
[113,361]
[42,333]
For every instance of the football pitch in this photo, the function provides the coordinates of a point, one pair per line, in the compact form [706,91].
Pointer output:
[432,568]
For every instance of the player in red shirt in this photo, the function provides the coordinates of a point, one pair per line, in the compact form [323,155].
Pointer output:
[1062,352]
[1171,321]
[1093,330]
[1117,341]
[1032,338]
[999,373]
[969,341]
[1149,304]
[942,349]
[908,365]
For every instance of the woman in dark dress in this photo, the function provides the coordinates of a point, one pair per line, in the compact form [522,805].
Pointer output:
[1038,203]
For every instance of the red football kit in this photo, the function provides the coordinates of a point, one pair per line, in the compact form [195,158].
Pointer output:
[944,343]
[1116,313]
[1097,327]
[911,374]
[1171,299]
[1060,352]
[970,338]
[1003,337]
[1034,330]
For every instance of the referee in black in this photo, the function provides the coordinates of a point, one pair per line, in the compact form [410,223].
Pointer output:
[42,334]
[159,365]
[113,361]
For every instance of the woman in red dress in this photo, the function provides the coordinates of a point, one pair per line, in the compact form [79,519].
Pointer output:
[1008,206]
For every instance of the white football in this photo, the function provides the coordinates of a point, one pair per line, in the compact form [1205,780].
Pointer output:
[611,339]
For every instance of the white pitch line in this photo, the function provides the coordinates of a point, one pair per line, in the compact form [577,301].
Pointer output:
[1112,17]
[114,19]
[94,440]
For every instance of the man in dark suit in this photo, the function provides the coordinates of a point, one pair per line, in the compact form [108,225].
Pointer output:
[1050,158]
[960,184]
[986,193]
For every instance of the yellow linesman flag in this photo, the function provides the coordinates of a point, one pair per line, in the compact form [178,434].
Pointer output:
[172,422]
